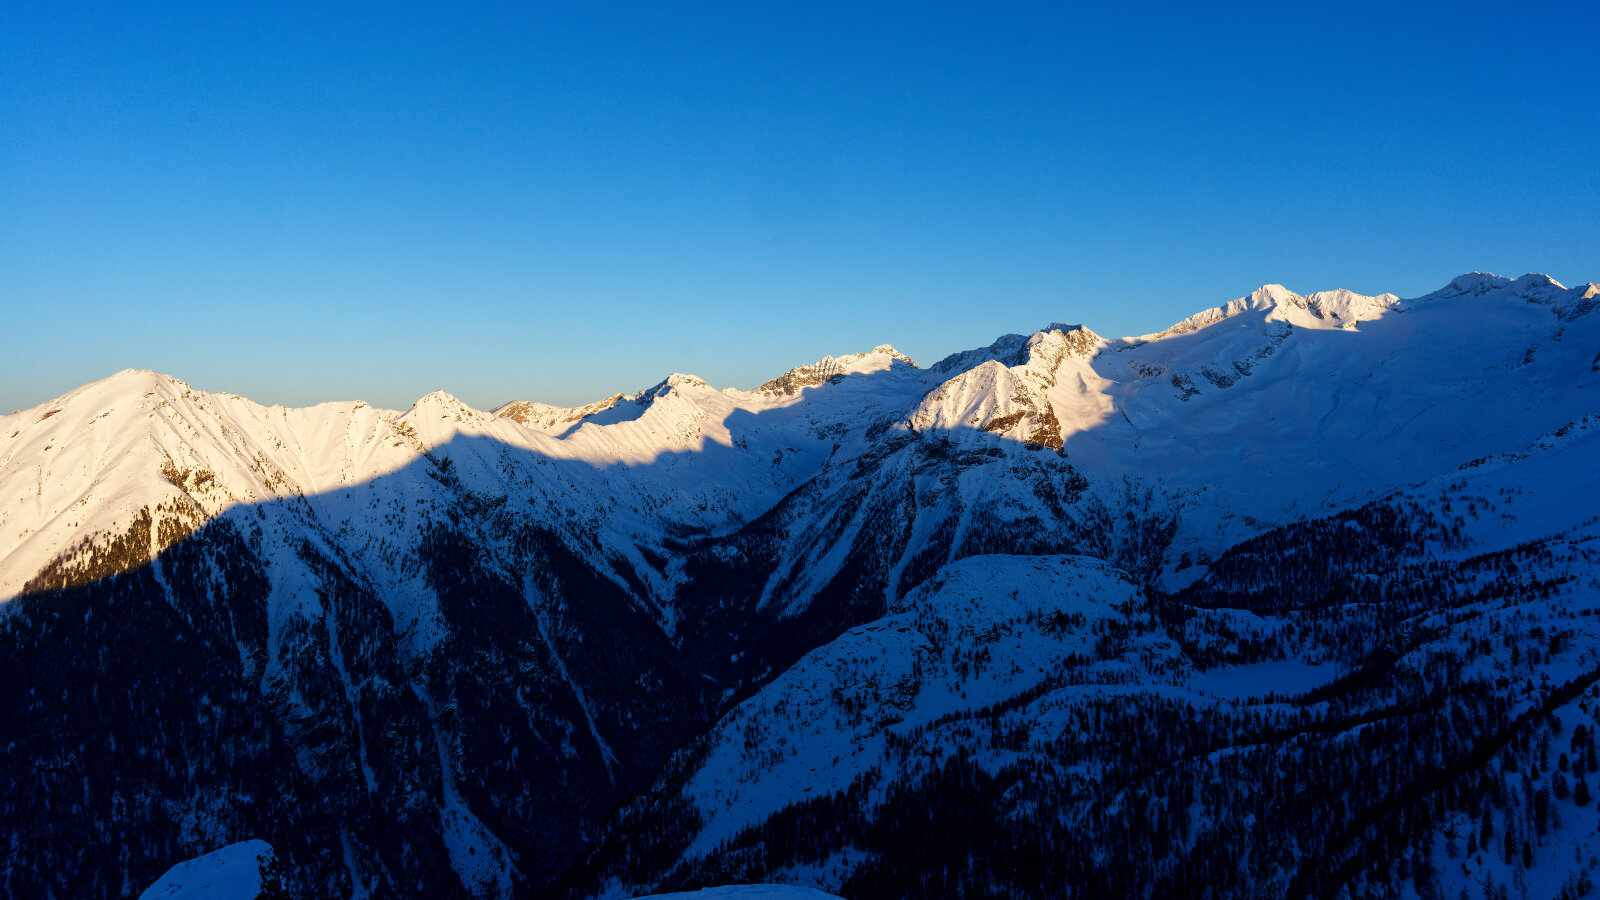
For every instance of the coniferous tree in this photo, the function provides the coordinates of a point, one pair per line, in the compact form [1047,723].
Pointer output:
[271,872]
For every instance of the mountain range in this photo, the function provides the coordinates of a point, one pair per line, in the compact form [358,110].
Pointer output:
[1294,598]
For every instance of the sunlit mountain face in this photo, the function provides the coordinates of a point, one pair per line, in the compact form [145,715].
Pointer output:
[1295,598]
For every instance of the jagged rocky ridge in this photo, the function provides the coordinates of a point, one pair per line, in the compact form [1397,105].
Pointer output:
[449,652]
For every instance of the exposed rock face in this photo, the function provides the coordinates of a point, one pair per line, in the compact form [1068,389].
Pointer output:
[993,399]
[547,418]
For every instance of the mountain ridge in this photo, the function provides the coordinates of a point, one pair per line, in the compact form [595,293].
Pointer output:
[384,593]
[1532,285]
[633,429]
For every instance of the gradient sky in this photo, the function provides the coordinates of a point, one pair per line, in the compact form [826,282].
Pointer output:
[316,202]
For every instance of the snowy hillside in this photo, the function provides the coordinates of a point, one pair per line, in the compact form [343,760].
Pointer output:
[451,648]
[229,873]
[1430,683]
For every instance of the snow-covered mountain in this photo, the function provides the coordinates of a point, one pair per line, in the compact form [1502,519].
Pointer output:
[636,645]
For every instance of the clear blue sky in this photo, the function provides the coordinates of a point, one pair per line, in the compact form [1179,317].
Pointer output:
[304,203]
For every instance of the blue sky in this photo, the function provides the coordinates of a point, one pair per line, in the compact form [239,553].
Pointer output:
[305,203]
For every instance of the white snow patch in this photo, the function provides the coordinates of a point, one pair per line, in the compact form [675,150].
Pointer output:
[750,892]
[231,873]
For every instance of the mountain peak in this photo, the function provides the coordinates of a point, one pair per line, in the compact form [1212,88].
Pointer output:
[146,379]
[127,387]
[438,397]
[679,379]
[829,367]
[666,386]
[1340,308]
[1474,283]
[1535,287]
[1267,297]
[1047,347]
[889,351]
[1272,293]
[1483,282]
[441,405]
[545,416]
[1541,280]
[142,374]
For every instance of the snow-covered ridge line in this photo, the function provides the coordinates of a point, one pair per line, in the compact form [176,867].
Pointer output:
[683,453]
[1344,308]
[801,377]
[1342,304]
[1340,308]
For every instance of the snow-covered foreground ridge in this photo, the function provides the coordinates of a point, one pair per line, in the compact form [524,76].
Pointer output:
[228,873]
[695,636]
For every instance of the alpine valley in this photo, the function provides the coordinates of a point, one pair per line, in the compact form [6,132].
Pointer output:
[1299,597]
